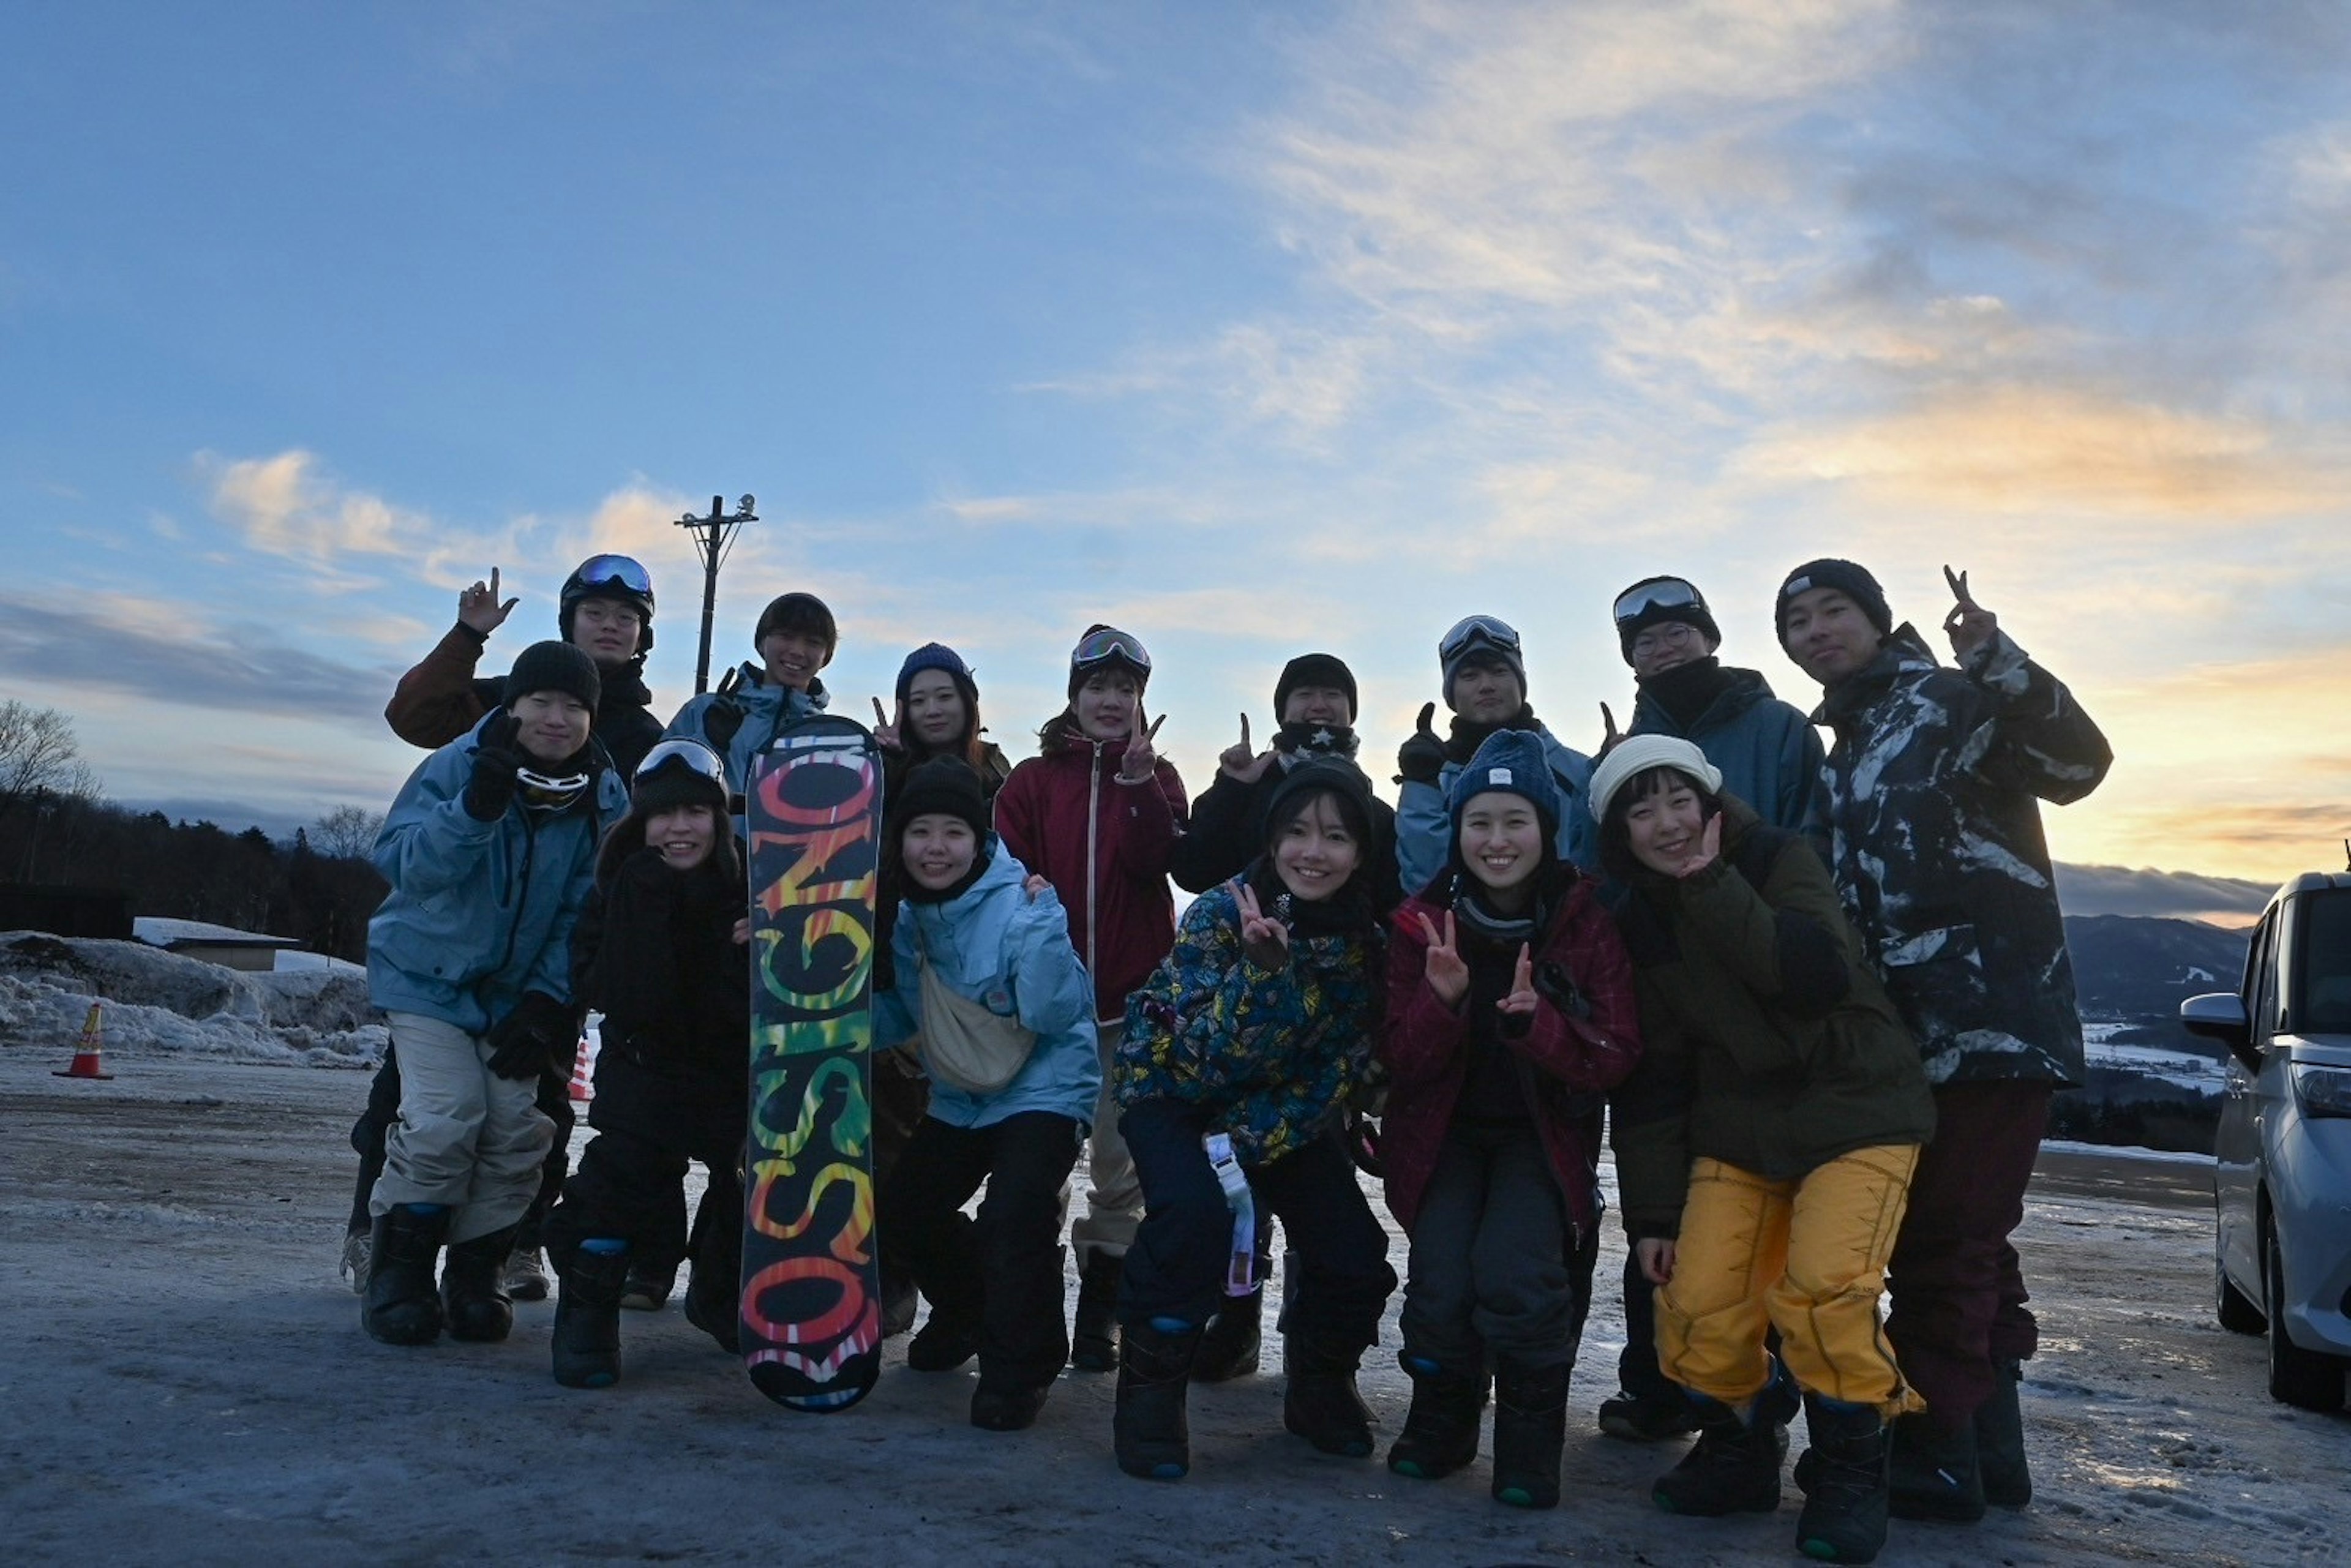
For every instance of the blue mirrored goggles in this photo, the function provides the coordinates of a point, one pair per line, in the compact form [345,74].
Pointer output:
[1472,630]
[1658,593]
[615,572]
[691,754]
[1108,644]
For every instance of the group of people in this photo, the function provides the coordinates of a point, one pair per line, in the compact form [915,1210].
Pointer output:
[1817,1000]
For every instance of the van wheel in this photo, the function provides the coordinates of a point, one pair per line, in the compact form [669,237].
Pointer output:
[2238,1312]
[2305,1379]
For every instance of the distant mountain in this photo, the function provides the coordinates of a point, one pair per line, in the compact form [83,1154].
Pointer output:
[2132,968]
[2150,1083]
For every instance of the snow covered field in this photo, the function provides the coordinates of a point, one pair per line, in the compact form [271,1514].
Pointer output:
[183,1380]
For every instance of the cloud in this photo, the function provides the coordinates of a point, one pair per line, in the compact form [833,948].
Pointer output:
[2180,894]
[285,504]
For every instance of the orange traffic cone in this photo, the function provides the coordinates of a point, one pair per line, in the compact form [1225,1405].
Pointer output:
[583,1088]
[85,1057]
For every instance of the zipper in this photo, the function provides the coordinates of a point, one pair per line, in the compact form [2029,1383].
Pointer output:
[1093,825]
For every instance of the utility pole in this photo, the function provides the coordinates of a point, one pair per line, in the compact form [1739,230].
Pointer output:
[714,536]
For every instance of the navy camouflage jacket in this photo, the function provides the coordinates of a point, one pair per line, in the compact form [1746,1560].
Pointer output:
[1933,784]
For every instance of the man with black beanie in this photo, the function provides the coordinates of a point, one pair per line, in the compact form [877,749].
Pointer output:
[796,636]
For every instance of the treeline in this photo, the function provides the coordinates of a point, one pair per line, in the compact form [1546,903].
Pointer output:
[317,888]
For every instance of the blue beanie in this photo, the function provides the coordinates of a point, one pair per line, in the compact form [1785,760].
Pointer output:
[937,656]
[1513,762]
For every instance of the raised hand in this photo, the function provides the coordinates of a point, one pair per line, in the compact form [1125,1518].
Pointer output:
[1265,939]
[479,606]
[1242,763]
[1609,734]
[1447,971]
[1709,848]
[490,787]
[1421,758]
[1140,759]
[1969,625]
[885,734]
[1520,1002]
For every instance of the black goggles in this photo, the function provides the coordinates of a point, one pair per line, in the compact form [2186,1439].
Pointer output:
[691,754]
[615,572]
[1110,645]
[1472,630]
[1662,593]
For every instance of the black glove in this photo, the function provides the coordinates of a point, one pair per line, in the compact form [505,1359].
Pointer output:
[720,721]
[492,788]
[1420,759]
[533,1038]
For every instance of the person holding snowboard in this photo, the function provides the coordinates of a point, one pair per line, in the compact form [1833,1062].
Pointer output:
[1763,1148]
[605,609]
[1314,699]
[489,851]
[1770,756]
[1509,1015]
[1935,783]
[795,637]
[986,979]
[1240,1053]
[661,953]
[1486,687]
[1097,813]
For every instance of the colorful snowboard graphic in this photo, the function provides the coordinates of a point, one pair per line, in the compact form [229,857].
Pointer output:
[811,1329]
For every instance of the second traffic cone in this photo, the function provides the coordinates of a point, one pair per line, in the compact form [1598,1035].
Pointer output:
[86,1049]
[583,1088]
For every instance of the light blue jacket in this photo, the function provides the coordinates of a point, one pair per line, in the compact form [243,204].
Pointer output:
[996,945]
[766,710]
[480,911]
[1770,754]
[1424,827]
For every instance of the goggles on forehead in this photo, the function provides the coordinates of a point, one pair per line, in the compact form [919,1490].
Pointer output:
[1110,645]
[1664,593]
[545,792]
[1471,629]
[690,755]
[615,571]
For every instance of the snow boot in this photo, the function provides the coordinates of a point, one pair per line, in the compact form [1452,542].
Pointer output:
[1529,1427]
[1231,1347]
[900,1301]
[586,1338]
[1093,1338]
[713,1304]
[1006,1407]
[1845,1482]
[1999,1439]
[1320,1403]
[473,1293]
[945,1342]
[648,1286]
[1934,1475]
[524,1278]
[1647,1417]
[1734,1465]
[1440,1431]
[399,1306]
[1148,1429]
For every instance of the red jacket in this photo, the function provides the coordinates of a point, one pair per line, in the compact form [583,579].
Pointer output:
[1572,1057]
[1104,846]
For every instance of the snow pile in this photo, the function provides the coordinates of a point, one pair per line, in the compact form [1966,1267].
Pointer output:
[161,1003]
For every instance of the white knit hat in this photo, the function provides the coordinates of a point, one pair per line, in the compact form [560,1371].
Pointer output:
[1639,752]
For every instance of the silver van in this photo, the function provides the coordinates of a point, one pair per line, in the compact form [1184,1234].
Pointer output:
[2281,1159]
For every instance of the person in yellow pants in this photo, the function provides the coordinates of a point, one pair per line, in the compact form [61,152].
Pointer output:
[1764,1146]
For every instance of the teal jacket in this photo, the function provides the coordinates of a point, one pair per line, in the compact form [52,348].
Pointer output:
[1424,828]
[480,911]
[743,717]
[1770,754]
[996,945]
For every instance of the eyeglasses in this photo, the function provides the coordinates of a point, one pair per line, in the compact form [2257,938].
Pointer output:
[1665,635]
[541,792]
[1658,593]
[615,571]
[1471,629]
[690,755]
[1107,645]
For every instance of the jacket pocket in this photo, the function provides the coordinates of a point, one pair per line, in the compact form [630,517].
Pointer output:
[1938,979]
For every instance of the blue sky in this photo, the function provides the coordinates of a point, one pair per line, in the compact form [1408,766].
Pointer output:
[1252,329]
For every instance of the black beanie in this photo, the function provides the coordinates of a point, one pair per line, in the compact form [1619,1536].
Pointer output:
[1334,776]
[946,785]
[1669,599]
[798,612]
[1853,581]
[554,667]
[1314,670]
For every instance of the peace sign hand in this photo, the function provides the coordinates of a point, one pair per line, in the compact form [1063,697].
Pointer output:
[1265,939]
[1969,625]
[1140,759]
[1239,762]
[479,606]
[1520,1002]
[1447,972]
[885,734]
[1709,849]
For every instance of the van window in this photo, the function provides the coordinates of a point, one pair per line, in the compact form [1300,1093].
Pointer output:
[2323,980]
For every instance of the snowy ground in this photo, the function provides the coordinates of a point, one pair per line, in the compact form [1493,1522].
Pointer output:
[183,1380]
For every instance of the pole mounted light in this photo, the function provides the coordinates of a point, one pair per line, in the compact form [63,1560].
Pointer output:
[714,536]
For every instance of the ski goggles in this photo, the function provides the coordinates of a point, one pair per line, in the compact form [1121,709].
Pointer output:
[691,754]
[547,792]
[615,572]
[1658,593]
[1472,630]
[1107,646]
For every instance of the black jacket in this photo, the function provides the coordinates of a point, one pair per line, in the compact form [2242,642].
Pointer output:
[1226,832]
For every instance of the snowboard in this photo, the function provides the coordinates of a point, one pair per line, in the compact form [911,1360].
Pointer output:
[811,1306]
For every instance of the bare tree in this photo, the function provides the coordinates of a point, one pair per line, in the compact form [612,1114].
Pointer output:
[348,832]
[39,758]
